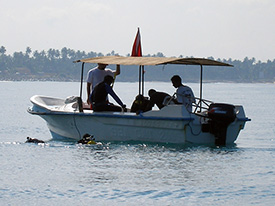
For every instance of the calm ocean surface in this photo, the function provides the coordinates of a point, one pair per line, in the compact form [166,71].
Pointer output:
[64,173]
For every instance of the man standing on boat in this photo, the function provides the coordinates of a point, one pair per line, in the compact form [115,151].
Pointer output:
[97,74]
[184,93]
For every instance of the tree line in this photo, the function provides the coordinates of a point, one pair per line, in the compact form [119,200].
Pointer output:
[57,65]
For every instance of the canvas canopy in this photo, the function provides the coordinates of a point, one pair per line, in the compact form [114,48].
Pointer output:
[144,61]
[152,61]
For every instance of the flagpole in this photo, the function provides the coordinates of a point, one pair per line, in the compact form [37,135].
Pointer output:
[137,52]
[139,81]
[143,80]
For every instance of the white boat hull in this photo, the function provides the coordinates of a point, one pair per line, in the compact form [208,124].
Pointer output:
[172,124]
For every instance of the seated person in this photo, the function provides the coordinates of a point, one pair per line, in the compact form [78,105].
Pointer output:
[99,99]
[156,98]
[139,104]
[184,93]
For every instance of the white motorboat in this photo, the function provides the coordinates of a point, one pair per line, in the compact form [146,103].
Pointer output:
[208,123]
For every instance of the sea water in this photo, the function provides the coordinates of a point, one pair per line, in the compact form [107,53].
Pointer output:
[65,173]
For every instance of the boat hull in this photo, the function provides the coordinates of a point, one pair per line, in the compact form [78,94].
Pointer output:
[171,125]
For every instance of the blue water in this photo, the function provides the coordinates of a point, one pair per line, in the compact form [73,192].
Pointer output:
[64,173]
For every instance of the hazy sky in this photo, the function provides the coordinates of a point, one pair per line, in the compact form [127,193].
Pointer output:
[200,28]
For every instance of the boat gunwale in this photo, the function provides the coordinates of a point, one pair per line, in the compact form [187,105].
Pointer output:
[110,115]
[121,116]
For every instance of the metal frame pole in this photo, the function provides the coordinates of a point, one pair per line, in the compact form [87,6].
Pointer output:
[139,81]
[201,89]
[81,80]
[81,85]
[143,80]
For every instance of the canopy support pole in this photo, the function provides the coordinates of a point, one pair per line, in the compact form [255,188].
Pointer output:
[81,80]
[143,80]
[201,89]
[80,106]
[139,81]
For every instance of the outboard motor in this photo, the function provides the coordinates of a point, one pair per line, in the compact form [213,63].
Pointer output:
[221,115]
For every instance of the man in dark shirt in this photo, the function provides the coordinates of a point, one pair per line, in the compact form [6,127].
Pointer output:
[156,98]
[98,98]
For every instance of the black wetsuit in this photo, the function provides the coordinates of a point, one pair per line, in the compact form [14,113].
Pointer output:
[157,98]
[99,98]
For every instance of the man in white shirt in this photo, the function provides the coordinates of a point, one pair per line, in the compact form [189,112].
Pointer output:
[184,93]
[96,76]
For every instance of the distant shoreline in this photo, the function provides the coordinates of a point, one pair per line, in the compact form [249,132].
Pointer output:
[205,81]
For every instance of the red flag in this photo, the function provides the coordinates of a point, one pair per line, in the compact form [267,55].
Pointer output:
[136,51]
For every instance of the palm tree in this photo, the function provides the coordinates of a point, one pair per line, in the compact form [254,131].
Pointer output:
[2,50]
